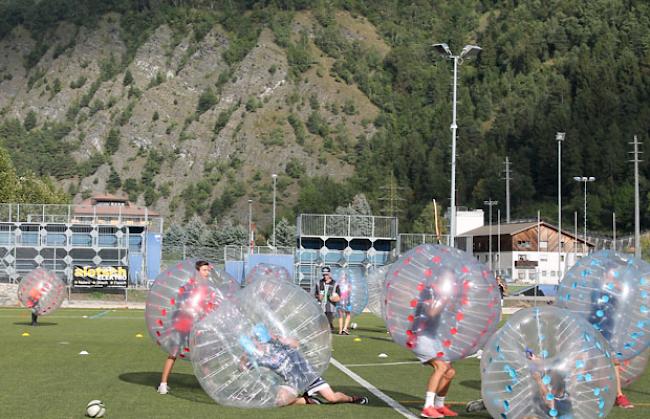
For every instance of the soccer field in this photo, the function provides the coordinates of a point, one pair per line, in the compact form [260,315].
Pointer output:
[42,375]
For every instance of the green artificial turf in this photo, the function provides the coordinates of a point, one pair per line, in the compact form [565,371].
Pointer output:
[43,375]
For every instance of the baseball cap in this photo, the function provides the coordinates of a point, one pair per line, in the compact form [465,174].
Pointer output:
[325,270]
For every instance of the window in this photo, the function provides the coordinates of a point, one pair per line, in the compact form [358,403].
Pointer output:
[543,245]
[552,273]
[533,275]
[562,258]
[523,243]
[521,275]
[544,273]
[522,257]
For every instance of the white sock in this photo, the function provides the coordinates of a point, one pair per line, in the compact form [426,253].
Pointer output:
[429,399]
[440,402]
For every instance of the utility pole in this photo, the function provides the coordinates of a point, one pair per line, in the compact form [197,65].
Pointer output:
[507,178]
[490,203]
[637,217]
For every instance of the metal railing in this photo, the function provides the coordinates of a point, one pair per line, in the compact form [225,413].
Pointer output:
[334,225]
[76,214]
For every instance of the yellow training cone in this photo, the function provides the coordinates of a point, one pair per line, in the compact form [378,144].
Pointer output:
[357,339]
[139,335]
[25,334]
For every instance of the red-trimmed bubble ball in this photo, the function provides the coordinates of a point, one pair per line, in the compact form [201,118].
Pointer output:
[267,270]
[441,303]
[180,296]
[41,291]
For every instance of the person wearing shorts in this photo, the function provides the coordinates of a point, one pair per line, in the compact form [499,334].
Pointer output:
[328,294]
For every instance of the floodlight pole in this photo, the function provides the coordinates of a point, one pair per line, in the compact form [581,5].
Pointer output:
[275,177]
[559,137]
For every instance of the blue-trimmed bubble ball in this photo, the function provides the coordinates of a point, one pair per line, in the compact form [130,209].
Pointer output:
[179,297]
[545,362]
[610,290]
[441,303]
[633,368]
[353,289]
[263,348]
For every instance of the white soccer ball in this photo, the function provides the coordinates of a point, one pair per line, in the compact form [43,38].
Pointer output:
[353,325]
[95,409]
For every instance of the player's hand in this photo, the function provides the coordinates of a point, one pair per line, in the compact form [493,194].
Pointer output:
[335,298]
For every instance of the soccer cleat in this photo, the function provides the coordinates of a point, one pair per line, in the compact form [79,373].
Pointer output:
[163,389]
[431,412]
[312,400]
[475,406]
[345,332]
[446,411]
[623,401]
[359,400]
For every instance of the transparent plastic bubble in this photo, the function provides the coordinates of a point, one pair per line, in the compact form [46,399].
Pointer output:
[633,368]
[179,297]
[544,362]
[262,348]
[610,290]
[441,303]
[267,270]
[353,289]
[41,291]
[376,295]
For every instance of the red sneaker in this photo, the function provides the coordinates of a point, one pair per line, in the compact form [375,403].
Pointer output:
[431,412]
[623,401]
[446,411]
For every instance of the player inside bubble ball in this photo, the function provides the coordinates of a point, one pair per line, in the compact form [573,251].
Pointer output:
[192,300]
[423,340]
[34,300]
[281,355]
[551,383]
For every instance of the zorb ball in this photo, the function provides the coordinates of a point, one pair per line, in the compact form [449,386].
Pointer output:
[441,303]
[263,348]
[547,363]
[181,296]
[41,291]
[610,290]
[267,270]
[376,280]
[633,368]
[353,290]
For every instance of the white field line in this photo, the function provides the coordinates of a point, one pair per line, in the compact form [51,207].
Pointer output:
[374,390]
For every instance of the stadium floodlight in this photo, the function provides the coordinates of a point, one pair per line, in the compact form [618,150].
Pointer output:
[468,51]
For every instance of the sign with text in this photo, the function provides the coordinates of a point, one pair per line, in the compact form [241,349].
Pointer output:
[100,277]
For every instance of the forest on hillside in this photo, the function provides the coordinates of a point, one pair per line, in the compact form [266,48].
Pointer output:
[576,66]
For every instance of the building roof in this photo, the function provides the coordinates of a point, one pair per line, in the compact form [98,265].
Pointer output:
[514,228]
[125,208]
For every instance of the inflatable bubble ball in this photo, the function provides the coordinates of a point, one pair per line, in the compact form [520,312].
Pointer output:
[441,303]
[547,363]
[610,290]
[633,368]
[41,291]
[376,295]
[267,270]
[262,348]
[353,289]
[180,296]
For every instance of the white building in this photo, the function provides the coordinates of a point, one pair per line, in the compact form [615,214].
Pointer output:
[525,251]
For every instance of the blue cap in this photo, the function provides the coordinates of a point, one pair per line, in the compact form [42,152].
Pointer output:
[261,333]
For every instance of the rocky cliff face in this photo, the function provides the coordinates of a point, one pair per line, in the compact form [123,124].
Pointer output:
[182,115]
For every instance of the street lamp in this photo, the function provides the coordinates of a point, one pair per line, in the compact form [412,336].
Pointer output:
[275,177]
[490,203]
[559,137]
[468,51]
[585,180]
